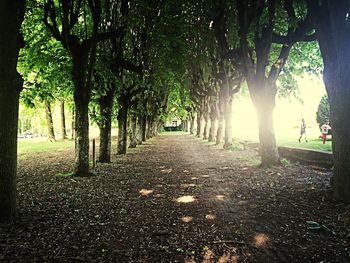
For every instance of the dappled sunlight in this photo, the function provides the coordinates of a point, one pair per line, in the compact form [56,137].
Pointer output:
[194,178]
[210,216]
[220,197]
[287,114]
[166,171]
[186,199]
[205,176]
[145,192]
[227,258]
[261,240]
[186,219]
[208,256]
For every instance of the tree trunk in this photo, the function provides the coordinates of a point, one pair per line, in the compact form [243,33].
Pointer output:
[340,117]
[206,125]
[73,123]
[11,17]
[193,121]
[49,122]
[220,130]
[332,31]
[199,123]
[122,117]
[228,123]
[63,120]
[105,125]
[264,102]
[144,128]
[139,130]
[81,167]
[133,131]
[148,128]
[213,121]
[82,94]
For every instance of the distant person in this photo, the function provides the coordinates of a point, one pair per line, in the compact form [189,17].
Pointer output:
[302,130]
[325,128]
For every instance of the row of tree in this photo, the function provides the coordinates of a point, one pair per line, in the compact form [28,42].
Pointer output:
[250,41]
[113,58]
[127,58]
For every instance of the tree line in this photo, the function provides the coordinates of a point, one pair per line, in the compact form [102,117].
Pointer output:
[129,57]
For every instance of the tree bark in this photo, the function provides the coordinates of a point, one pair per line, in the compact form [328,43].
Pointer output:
[122,117]
[49,122]
[263,98]
[73,123]
[148,128]
[105,125]
[144,128]
[332,32]
[213,121]
[81,167]
[11,17]
[193,121]
[199,123]
[133,131]
[221,120]
[228,123]
[63,120]
[207,124]
[139,125]
[82,94]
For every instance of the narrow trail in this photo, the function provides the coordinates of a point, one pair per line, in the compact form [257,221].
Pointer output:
[174,199]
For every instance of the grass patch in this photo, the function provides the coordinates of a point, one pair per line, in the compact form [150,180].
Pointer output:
[39,145]
[315,144]
[173,133]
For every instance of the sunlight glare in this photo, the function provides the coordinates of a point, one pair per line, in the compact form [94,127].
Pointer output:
[187,219]
[185,199]
[208,256]
[261,239]
[220,197]
[166,171]
[145,192]
[210,217]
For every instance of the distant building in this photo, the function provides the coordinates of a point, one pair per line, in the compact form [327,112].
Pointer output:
[173,125]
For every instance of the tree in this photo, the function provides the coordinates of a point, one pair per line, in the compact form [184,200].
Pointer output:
[331,21]
[322,114]
[81,45]
[267,30]
[11,17]
[63,119]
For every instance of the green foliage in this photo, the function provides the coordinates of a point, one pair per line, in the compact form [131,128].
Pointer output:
[322,114]
[43,62]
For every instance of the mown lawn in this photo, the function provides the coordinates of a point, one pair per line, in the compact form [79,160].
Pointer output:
[29,146]
[315,144]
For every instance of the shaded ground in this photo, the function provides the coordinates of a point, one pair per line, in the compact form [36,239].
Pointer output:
[174,199]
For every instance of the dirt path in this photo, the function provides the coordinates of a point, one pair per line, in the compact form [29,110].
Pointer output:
[175,199]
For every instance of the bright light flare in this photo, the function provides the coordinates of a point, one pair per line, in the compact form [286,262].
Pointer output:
[186,219]
[261,239]
[210,217]
[186,199]
[220,197]
[145,192]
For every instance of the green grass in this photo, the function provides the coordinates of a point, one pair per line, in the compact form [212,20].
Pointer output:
[315,144]
[30,146]
[173,133]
